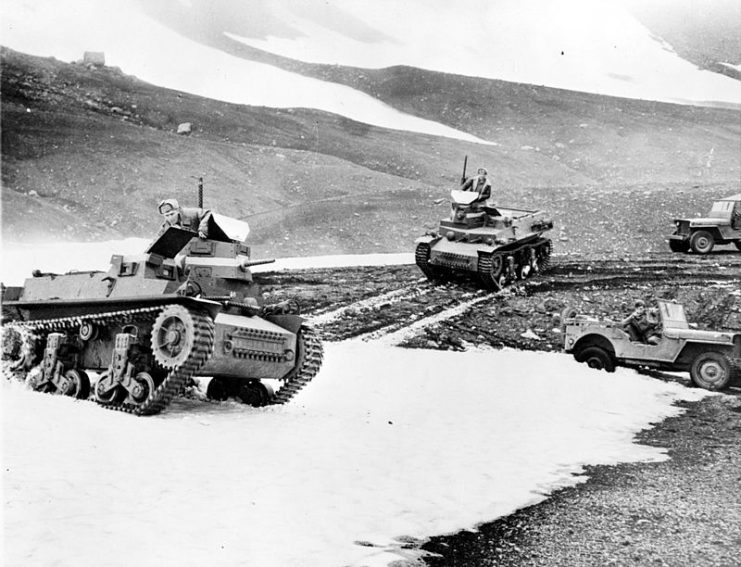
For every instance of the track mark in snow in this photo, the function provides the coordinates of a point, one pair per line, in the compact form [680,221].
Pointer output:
[390,297]
[393,338]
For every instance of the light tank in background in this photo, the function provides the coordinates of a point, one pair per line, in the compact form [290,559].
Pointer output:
[495,245]
[186,307]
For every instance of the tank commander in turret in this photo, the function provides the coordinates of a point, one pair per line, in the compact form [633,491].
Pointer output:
[193,219]
[480,184]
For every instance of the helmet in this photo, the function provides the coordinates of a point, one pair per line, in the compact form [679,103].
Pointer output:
[167,206]
[482,171]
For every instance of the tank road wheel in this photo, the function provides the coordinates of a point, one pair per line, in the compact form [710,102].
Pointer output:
[173,336]
[76,384]
[702,242]
[143,388]
[491,271]
[107,393]
[218,389]
[597,358]
[256,394]
[711,370]
[679,246]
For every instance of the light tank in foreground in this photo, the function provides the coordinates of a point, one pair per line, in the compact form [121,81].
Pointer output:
[495,245]
[186,307]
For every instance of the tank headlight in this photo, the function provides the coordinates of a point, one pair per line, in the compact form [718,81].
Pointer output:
[489,241]
[288,354]
[450,235]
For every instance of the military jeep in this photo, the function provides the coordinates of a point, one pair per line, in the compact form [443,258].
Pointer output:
[721,226]
[713,359]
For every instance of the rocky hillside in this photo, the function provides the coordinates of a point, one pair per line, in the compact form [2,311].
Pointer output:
[89,151]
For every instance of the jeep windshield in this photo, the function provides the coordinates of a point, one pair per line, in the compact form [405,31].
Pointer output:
[673,316]
[721,208]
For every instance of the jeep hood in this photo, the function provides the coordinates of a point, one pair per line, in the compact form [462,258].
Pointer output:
[705,221]
[696,335]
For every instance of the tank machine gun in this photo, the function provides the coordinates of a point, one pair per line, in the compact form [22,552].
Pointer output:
[187,306]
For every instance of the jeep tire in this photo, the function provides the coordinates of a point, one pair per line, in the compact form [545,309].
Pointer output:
[711,371]
[679,245]
[597,358]
[702,242]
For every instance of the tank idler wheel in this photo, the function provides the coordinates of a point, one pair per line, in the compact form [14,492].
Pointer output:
[173,336]
[75,384]
[256,394]
[142,388]
[108,393]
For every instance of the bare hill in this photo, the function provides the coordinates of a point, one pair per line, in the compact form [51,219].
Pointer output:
[88,152]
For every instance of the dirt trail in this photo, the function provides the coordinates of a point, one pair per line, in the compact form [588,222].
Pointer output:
[398,305]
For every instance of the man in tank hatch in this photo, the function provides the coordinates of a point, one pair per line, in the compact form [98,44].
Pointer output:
[480,184]
[188,218]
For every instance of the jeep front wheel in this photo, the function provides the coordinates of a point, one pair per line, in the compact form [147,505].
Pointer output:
[679,245]
[702,242]
[711,370]
[597,358]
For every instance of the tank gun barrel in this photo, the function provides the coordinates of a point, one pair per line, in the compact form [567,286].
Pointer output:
[250,263]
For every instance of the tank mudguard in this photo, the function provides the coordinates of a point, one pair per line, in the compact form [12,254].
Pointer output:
[427,239]
[56,308]
[290,323]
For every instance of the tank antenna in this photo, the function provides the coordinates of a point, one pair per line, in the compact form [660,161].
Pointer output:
[463,177]
[200,190]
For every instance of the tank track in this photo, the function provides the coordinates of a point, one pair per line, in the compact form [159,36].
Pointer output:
[421,258]
[310,358]
[177,377]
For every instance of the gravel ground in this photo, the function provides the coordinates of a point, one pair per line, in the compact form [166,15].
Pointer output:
[683,512]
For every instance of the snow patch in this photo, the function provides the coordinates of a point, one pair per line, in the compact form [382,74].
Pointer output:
[386,443]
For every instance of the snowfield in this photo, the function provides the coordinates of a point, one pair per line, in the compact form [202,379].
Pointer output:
[384,447]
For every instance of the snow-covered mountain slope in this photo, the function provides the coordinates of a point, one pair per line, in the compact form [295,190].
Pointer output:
[585,45]
[141,46]
[384,448]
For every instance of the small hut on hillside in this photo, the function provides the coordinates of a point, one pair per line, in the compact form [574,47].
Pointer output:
[96,58]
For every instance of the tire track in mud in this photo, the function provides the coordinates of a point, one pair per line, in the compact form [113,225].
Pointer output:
[325,317]
[394,337]
[422,314]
